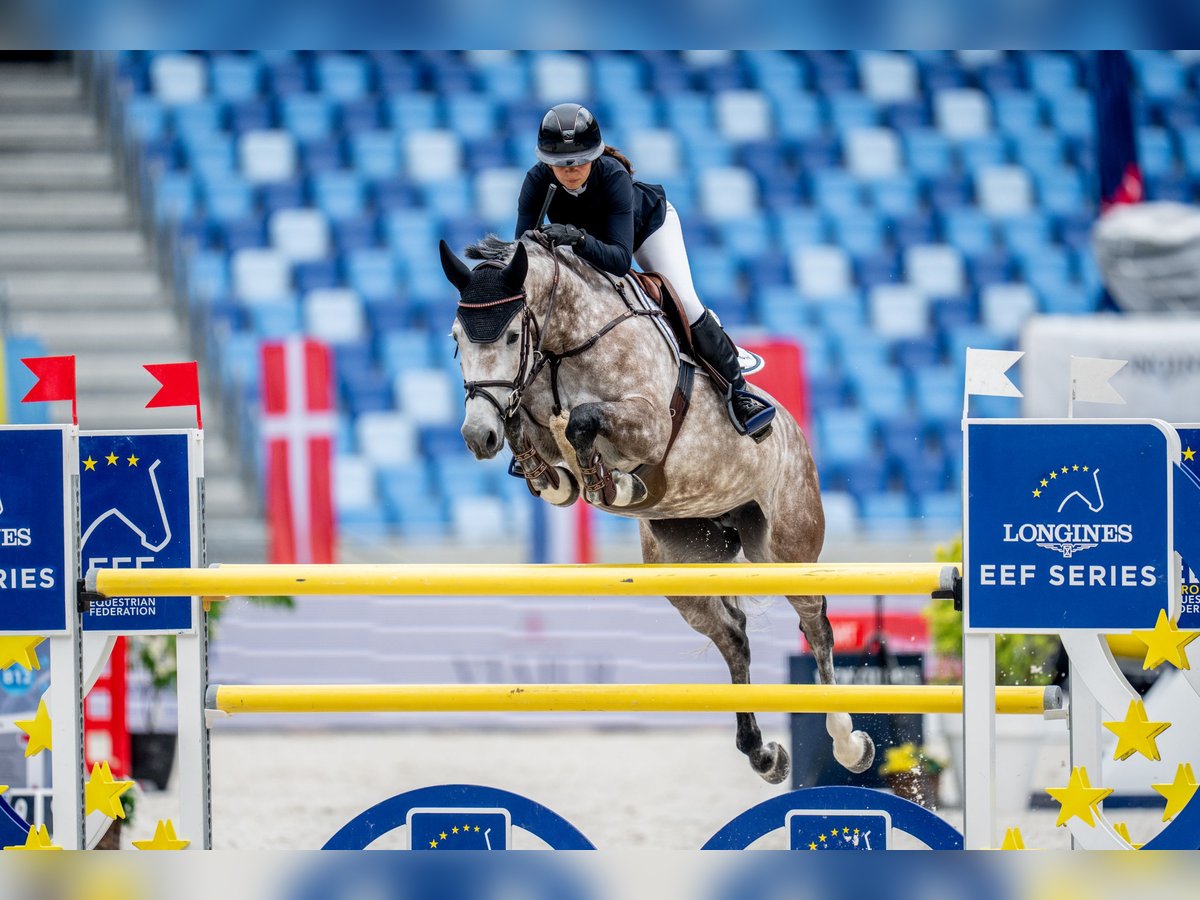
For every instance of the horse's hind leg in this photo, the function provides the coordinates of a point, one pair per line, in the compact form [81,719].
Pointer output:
[720,619]
[790,538]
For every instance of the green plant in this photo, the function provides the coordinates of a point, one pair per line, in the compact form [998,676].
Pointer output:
[1020,658]
[156,653]
[129,801]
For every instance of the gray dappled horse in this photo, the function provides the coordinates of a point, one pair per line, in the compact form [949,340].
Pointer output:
[593,415]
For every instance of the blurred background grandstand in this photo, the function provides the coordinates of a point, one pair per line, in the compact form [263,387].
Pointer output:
[884,210]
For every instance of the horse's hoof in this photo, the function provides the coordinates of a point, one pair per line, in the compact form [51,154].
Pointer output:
[857,753]
[772,763]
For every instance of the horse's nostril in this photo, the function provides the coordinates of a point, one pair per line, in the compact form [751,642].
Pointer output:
[492,442]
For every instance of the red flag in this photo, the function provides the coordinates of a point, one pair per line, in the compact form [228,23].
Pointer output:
[180,386]
[55,381]
[298,427]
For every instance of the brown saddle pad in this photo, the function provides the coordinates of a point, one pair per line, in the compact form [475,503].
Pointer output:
[660,290]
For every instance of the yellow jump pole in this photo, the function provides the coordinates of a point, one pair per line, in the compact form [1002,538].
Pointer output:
[746,579]
[796,698]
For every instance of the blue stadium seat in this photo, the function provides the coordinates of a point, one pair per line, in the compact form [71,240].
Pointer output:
[372,273]
[843,436]
[859,231]
[886,513]
[1050,74]
[409,112]
[898,195]
[342,76]
[968,230]
[940,513]
[174,196]
[362,115]
[927,152]
[306,116]
[1156,155]
[320,155]
[340,195]
[355,233]
[1017,113]
[376,154]
[236,78]
[798,116]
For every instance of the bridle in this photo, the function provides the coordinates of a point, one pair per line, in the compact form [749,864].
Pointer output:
[534,357]
[532,337]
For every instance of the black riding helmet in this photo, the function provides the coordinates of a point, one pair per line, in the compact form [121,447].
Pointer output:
[569,136]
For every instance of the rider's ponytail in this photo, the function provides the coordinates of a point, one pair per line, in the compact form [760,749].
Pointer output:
[619,157]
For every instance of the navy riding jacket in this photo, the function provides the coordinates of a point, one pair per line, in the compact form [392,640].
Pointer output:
[617,212]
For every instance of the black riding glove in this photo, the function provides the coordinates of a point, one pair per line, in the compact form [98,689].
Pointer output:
[560,234]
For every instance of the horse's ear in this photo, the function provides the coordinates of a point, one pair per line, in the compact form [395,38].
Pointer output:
[517,268]
[456,270]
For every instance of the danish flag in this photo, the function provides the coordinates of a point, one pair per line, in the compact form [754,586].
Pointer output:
[298,428]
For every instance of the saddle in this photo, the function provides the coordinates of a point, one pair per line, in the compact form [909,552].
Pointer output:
[660,290]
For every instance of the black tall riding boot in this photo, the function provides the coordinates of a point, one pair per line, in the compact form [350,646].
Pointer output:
[749,413]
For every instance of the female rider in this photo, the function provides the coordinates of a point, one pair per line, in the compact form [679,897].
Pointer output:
[610,220]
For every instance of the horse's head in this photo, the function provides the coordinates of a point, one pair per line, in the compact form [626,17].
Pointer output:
[495,336]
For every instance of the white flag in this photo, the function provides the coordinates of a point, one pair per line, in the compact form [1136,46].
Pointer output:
[1089,379]
[985,372]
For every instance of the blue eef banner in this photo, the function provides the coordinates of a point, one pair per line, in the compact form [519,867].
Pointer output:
[135,511]
[833,830]
[1068,526]
[1189,617]
[36,575]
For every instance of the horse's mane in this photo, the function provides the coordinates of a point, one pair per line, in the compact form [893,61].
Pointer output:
[495,248]
[491,247]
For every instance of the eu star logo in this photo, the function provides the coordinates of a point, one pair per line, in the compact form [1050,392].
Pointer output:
[458,829]
[819,830]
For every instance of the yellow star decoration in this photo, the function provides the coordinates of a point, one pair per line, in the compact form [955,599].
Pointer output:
[1053,475]
[102,794]
[1189,454]
[1078,799]
[812,846]
[20,649]
[1179,792]
[1165,643]
[164,838]
[89,464]
[1012,840]
[1137,734]
[1045,483]
[112,459]
[1074,468]
[1036,492]
[38,839]
[133,460]
[1123,830]
[38,730]
[1064,468]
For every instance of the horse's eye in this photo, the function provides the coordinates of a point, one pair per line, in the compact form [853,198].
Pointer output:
[512,338]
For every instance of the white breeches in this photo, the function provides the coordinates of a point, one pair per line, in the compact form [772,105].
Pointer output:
[664,252]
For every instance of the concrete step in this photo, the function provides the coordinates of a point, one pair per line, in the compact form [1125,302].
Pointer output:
[31,130]
[38,83]
[57,170]
[83,289]
[109,249]
[149,333]
[226,496]
[63,209]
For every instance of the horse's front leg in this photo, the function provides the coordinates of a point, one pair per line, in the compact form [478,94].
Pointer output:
[552,483]
[634,427]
